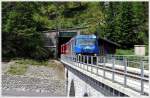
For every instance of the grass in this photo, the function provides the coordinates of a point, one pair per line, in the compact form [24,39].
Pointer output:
[21,65]
[17,69]
[146,50]
[31,62]
[124,52]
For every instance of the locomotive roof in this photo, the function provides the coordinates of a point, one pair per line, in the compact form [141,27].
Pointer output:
[86,36]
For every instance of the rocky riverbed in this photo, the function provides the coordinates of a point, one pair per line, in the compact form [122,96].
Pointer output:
[37,81]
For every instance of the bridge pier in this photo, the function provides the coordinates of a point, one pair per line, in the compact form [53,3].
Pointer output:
[78,87]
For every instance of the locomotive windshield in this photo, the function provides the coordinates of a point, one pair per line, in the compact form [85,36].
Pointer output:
[83,41]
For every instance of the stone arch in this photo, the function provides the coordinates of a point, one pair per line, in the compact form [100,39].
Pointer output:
[72,89]
[85,94]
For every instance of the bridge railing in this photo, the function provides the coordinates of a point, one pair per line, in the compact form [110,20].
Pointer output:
[126,66]
[132,60]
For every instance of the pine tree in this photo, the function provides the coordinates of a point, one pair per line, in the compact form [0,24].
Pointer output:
[20,35]
[126,32]
[22,23]
[110,21]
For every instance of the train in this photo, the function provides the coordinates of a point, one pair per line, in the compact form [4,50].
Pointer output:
[81,44]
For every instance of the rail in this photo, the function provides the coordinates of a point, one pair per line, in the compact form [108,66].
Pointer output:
[120,69]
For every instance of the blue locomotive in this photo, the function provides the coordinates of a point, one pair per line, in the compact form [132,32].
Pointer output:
[83,44]
[86,44]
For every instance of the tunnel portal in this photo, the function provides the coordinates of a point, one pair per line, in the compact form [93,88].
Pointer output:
[64,37]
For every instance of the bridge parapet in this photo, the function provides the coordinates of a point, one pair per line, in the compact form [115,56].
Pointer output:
[129,80]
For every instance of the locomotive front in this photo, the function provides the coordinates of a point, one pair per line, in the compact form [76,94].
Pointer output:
[86,44]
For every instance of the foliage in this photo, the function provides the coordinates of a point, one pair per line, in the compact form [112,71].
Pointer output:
[125,23]
[20,33]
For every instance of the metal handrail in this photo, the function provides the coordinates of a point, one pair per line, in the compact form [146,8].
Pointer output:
[93,62]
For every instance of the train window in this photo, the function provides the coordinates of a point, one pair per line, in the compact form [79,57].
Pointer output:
[86,41]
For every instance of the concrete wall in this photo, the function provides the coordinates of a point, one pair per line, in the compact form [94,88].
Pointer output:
[50,38]
[81,88]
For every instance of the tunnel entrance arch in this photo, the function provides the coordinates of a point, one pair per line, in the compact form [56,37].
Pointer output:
[63,37]
[53,39]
